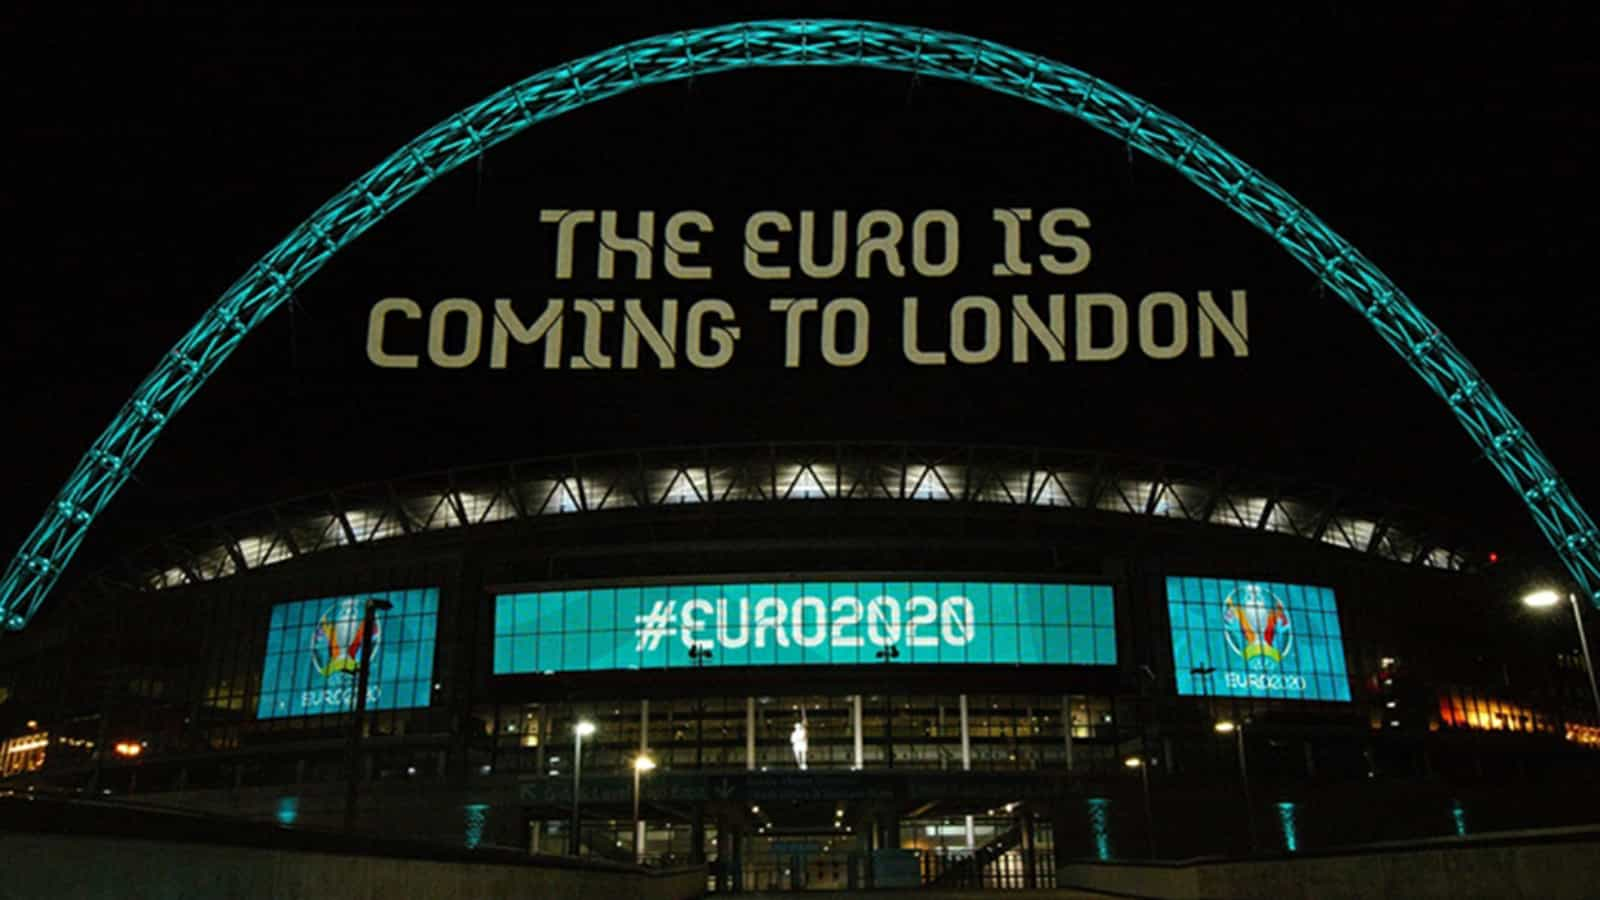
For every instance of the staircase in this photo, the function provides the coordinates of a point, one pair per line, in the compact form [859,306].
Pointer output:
[968,871]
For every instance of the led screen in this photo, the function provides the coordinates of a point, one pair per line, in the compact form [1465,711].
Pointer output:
[314,654]
[1256,639]
[804,623]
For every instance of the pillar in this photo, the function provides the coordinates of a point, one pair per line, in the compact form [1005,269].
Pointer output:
[750,733]
[855,729]
[889,829]
[966,765]
[697,834]
[725,859]
[1030,864]
[1066,721]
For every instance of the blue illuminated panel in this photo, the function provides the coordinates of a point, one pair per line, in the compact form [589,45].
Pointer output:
[1258,638]
[314,651]
[804,623]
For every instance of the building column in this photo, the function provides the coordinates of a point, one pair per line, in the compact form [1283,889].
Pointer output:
[1066,721]
[725,860]
[750,733]
[889,829]
[539,735]
[1030,871]
[966,737]
[855,729]
[966,766]
[697,834]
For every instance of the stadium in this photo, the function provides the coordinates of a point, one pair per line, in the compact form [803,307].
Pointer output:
[961,655]
[978,643]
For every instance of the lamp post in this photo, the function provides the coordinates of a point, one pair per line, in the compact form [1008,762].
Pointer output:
[1138,762]
[699,653]
[641,765]
[1237,730]
[583,729]
[888,654]
[1547,599]
[352,756]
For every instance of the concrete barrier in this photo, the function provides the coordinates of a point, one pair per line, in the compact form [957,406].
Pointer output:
[63,866]
[73,848]
[1550,865]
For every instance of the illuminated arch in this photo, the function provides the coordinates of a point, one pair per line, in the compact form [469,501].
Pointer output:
[831,43]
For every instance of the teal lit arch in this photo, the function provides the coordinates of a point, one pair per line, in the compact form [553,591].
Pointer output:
[833,43]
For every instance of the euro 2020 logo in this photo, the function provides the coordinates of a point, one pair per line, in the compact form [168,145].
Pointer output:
[336,643]
[1257,627]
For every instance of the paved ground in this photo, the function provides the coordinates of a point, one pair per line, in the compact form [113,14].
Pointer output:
[951,894]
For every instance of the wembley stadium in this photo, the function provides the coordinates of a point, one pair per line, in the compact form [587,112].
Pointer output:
[824,599]
[994,657]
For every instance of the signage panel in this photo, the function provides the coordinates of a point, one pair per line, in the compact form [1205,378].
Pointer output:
[804,623]
[314,650]
[1256,639]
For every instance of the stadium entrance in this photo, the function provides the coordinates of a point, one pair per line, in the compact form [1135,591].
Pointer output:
[813,830]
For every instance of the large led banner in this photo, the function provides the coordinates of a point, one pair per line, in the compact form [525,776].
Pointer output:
[1256,639]
[804,623]
[314,650]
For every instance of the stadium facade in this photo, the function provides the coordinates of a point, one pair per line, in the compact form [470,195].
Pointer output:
[841,658]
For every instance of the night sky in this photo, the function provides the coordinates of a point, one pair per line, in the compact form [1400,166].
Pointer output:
[154,157]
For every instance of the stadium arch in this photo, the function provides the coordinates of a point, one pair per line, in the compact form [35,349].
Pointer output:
[462,137]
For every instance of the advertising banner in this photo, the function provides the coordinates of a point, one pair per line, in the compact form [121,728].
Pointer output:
[315,648]
[804,623]
[1256,639]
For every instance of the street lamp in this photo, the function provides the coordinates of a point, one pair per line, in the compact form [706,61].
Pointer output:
[1547,599]
[1237,730]
[583,729]
[352,758]
[699,653]
[641,765]
[1135,762]
[888,654]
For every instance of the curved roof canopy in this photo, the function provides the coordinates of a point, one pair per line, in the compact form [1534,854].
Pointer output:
[769,473]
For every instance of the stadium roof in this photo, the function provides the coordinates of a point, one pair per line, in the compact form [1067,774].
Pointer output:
[764,473]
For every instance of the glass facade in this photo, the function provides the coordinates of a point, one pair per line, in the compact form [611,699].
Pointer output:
[1256,639]
[804,623]
[1005,732]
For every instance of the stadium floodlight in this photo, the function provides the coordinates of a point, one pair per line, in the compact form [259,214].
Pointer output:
[1546,599]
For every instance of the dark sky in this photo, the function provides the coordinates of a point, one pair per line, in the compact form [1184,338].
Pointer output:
[155,156]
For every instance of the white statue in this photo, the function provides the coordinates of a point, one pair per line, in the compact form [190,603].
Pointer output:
[797,739]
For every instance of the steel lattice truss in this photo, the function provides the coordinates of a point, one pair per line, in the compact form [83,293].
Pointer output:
[714,476]
[666,58]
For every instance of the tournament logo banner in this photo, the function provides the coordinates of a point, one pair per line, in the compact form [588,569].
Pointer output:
[315,650]
[1256,639]
[804,623]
